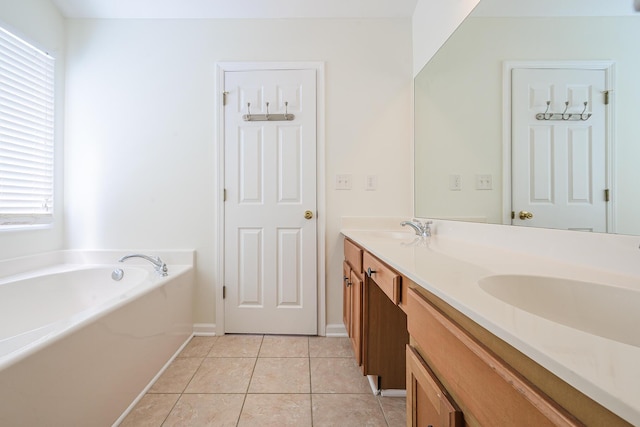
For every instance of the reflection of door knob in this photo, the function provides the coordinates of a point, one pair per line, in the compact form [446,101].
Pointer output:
[525,215]
[308,214]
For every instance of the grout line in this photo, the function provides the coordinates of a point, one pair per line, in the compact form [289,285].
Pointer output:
[246,392]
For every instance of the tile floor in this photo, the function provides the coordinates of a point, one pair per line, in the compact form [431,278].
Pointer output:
[241,380]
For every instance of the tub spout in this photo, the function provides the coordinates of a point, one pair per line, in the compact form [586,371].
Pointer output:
[160,266]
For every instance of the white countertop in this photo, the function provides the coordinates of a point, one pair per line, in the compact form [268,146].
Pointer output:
[607,371]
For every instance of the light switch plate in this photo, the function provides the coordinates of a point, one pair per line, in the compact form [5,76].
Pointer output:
[343,182]
[371,183]
[484,182]
[455,182]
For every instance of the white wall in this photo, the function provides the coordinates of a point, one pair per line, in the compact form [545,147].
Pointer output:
[433,22]
[40,23]
[141,138]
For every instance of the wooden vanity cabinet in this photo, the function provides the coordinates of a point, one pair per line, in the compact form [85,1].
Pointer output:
[384,325]
[488,391]
[376,325]
[352,296]
[346,297]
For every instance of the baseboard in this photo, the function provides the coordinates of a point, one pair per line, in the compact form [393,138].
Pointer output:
[209,330]
[336,330]
[393,393]
[204,329]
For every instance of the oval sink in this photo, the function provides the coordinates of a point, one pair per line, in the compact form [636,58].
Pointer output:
[602,310]
[392,234]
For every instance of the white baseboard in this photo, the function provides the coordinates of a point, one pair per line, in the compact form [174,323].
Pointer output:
[393,393]
[209,330]
[373,383]
[204,329]
[336,330]
[377,391]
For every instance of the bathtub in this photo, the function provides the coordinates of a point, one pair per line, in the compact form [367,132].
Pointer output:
[76,346]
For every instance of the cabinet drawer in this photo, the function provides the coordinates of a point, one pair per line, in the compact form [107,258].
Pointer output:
[353,255]
[387,279]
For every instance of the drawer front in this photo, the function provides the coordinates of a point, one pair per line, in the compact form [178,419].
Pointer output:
[387,279]
[353,255]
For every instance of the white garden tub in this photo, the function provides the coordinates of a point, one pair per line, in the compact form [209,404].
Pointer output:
[76,346]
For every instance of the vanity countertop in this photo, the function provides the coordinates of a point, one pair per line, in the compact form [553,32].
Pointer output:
[606,370]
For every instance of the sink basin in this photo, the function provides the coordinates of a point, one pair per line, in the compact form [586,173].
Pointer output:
[607,311]
[392,234]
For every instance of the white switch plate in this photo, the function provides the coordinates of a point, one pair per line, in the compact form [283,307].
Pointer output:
[371,183]
[343,182]
[484,182]
[455,182]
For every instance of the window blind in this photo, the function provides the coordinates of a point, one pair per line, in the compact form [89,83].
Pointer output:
[26,132]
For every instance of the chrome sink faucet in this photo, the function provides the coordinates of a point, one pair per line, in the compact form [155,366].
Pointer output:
[422,229]
[160,266]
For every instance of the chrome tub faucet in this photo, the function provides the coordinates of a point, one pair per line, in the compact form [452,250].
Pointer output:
[159,265]
[422,229]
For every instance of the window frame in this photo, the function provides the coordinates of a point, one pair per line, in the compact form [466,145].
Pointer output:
[27,133]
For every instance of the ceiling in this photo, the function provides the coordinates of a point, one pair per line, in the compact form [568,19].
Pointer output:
[213,9]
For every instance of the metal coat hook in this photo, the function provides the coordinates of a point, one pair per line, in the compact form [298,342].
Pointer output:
[547,115]
[566,107]
[268,117]
[582,115]
[564,115]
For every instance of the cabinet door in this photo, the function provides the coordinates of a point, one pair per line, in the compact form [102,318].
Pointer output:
[356,316]
[427,402]
[346,297]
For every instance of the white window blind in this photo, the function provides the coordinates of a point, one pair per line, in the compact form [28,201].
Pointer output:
[26,133]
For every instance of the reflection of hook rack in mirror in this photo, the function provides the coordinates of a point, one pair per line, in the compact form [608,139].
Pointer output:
[268,117]
[564,115]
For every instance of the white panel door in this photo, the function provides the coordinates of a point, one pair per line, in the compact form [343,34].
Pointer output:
[270,182]
[559,166]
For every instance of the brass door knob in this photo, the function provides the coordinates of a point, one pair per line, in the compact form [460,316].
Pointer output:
[308,214]
[525,215]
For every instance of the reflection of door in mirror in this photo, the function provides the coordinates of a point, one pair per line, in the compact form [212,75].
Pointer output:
[559,148]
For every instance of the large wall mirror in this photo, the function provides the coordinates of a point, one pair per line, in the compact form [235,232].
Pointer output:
[463,154]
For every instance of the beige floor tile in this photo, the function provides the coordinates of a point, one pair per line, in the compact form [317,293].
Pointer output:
[176,377]
[222,375]
[347,410]
[337,375]
[218,410]
[281,375]
[236,346]
[276,410]
[281,346]
[198,347]
[395,410]
[150,411]
[330,347]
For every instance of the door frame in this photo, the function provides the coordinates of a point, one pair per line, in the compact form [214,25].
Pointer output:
[221,69]
[609,69]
